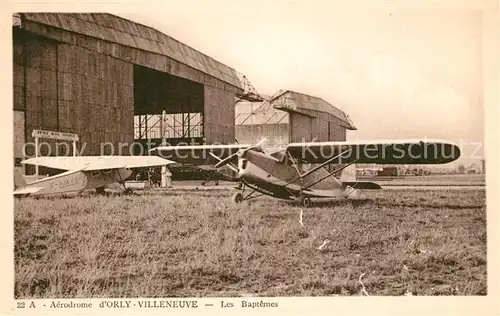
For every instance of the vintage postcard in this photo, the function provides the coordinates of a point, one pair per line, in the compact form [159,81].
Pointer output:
[250,157]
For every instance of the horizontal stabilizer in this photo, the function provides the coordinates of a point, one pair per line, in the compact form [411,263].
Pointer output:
[363,185]
[28,190]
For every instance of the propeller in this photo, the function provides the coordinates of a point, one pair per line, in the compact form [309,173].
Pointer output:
[241,152]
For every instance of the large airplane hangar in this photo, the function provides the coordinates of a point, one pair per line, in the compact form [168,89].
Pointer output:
[114,81]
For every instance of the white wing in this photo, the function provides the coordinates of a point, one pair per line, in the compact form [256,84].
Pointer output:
[89,163]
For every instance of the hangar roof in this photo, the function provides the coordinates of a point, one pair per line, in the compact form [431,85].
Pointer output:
[275,109]
[292,101]
[119,30]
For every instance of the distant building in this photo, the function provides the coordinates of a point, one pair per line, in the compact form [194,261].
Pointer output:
[388,171]
[290,116]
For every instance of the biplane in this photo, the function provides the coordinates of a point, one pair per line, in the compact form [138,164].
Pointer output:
[83,173]
[301,171]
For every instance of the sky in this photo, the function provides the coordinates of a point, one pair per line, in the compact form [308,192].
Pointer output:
[397,72]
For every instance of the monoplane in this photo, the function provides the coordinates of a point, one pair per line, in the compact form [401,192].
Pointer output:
[83,173]
[301,171]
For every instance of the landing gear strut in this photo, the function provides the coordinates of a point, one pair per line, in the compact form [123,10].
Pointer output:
[239,197]
[126,190]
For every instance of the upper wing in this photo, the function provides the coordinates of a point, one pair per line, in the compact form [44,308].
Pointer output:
[197,154]
[89,163]
[379,152]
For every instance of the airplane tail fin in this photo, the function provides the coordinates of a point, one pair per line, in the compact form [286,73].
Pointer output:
[19,180]
[348,174]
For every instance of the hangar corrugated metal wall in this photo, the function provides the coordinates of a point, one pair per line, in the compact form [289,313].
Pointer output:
[70,89]
[254,121]
[316,127]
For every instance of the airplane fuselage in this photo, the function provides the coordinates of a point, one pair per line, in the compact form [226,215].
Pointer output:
[273,177]
[77,181]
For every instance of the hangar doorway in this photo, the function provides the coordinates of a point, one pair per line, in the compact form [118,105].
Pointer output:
[166,108]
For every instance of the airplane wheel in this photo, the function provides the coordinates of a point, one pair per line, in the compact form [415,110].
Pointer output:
[237,198]
[305,201]
[128,191]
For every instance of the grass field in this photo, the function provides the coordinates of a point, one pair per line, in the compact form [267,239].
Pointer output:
[200,244]
[431,180]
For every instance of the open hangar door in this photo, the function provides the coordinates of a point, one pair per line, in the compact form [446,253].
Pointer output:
[166,108]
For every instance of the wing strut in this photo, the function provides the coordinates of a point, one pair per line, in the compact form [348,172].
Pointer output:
[296,168]
[328,175]
[230,165]
[329,161]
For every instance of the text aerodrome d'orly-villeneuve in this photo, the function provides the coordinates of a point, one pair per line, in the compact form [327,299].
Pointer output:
[150,304]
